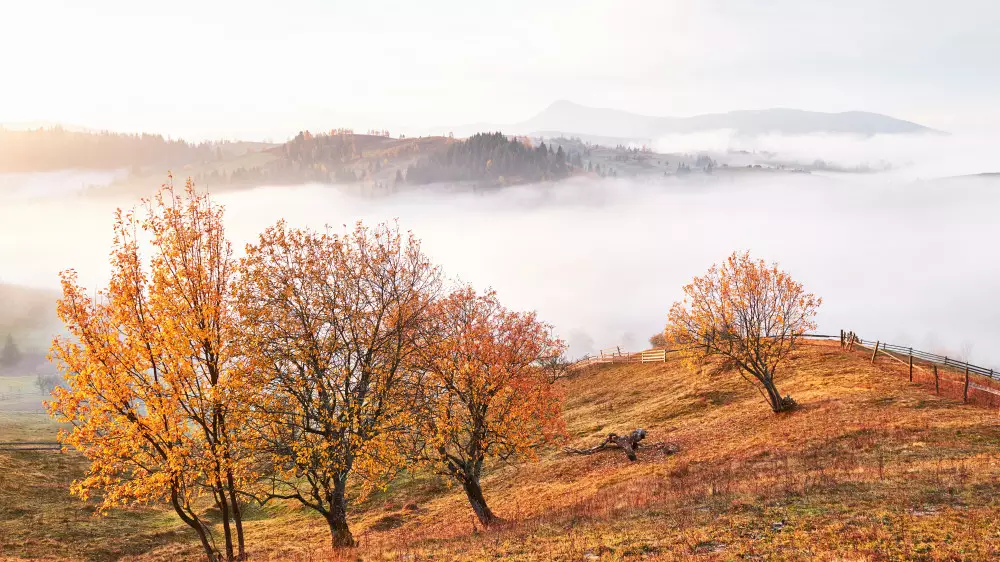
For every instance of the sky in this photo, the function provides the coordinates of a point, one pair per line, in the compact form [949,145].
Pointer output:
[260,69]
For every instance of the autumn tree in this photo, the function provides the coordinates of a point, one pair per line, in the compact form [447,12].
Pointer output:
[658,340]
[554,364]
[332,325]
[486,397]
[747,312]
[155,389]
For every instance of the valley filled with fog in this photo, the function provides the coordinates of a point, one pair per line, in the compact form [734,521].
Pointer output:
[894,256]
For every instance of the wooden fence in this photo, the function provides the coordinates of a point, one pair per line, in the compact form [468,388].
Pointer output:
[657,355]
[929,364]
[616,355]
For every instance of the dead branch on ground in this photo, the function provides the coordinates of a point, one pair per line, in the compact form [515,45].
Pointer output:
[627,443]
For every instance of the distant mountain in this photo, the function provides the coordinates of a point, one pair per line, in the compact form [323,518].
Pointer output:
[568,116]
[571,118]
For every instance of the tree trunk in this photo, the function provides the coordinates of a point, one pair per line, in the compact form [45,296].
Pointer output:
[475,494]
[340,533]
[773,396]
[223,504]
[237,516]
[195,524]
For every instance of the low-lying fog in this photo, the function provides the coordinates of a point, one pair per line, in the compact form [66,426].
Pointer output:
[912,263]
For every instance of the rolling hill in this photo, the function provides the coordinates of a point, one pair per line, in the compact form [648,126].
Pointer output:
[872,467]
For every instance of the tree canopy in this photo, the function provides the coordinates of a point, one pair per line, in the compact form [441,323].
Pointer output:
[747,312]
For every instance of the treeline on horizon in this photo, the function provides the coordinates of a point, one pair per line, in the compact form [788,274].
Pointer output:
[339,156]
[495,158]
[488,158]
[50,149]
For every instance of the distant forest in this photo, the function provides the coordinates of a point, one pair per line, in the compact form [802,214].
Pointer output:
[495,158]
[340,156]
[40,150]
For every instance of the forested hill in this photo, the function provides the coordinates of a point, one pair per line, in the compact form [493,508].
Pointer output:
[42,150]
[495,159]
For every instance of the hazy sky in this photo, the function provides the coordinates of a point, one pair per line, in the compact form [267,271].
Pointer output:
[258,68]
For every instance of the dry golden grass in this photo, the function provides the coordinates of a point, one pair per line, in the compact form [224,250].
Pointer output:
[40,520]
[871,467]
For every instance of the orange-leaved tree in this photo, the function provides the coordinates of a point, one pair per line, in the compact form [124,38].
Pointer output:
[486,398]
[155,389]
[747,312]
[332,326]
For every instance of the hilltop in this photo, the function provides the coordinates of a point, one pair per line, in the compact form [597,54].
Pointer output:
[870,467]
[375,161]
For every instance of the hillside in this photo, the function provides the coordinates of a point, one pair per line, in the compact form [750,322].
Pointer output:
[871,467]
[379,163]
[335,157]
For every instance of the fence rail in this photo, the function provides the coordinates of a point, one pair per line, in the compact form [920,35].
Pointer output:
[656,355]
[942,360]
[30,446]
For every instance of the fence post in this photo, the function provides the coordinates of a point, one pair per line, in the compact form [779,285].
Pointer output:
[937,388]
[911,364]
[965,393]
[842,339]
[874,353]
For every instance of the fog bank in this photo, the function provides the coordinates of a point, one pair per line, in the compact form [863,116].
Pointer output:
[911,263]
[906,157]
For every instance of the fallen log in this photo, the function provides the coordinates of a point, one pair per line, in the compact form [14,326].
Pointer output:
[627,443]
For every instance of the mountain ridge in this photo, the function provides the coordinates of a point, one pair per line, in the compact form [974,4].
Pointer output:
[566,116]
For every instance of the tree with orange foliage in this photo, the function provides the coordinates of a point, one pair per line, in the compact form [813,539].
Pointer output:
[486,397]
[155,387]
[747,312]
[332,325]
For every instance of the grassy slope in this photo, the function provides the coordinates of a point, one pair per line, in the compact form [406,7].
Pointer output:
[39,519]
[872,467]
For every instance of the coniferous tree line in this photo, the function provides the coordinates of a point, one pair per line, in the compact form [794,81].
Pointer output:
[493,158]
